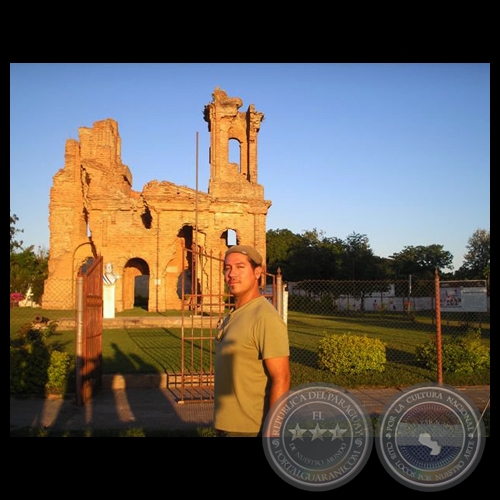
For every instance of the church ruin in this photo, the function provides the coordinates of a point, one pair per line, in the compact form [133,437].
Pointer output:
[94,211]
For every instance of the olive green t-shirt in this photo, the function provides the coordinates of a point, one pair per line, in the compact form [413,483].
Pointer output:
[250,334]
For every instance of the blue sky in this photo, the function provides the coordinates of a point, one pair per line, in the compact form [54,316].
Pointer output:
[399,152]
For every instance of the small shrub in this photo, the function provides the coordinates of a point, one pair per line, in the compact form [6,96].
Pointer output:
[351,354]
[16,297]
[37,332]
[462,354]
[36,366]
[57,372]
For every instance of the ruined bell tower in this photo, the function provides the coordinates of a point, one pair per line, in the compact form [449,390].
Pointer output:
[226,124]
[94,210]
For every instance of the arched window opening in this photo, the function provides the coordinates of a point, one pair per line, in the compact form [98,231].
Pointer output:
[235,153]
[232,238]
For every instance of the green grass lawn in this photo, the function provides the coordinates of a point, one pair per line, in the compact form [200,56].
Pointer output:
[400,335]
[160,350]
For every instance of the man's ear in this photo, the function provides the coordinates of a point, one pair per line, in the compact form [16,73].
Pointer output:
[258,272]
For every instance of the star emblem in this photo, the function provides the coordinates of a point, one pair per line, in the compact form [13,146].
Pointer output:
[337,432]
[317,433]
[297,433]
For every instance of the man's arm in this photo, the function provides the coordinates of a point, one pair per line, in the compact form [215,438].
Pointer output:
[279,372]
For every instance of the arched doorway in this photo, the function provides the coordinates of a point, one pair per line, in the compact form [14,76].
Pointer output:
[136,284]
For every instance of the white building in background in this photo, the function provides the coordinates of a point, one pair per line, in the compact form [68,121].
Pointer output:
[457,298]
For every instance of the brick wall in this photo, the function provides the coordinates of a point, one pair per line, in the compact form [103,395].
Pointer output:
[94,210]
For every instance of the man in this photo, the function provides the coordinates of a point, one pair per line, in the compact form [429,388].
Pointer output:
[252,367]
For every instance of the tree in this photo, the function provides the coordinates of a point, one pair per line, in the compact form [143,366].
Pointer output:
[360,261]
[421,261]
[278,244]
[28,270]
[477,259]
[14,244]
[363,268]
[315,257]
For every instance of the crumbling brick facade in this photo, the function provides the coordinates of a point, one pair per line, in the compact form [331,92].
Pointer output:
[94,211]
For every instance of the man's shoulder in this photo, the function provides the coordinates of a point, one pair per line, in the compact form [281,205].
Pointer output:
[264,303]
[265,311]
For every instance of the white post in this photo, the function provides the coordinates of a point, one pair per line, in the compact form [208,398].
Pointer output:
[108,301]
[108,293]
[285,304]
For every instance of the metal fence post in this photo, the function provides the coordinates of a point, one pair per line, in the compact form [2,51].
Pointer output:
[279,293]
[285,304]
[79,340]
[438,330]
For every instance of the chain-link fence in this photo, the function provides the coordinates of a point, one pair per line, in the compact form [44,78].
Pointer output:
[407,317]
[404,315]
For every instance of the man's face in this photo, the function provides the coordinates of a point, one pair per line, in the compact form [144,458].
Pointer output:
[239,275]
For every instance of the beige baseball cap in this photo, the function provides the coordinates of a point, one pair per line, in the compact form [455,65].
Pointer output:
[247,250]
